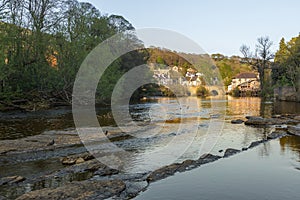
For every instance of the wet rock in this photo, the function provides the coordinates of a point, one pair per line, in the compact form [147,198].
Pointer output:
[283,127]
[275,135]
[136,177]
[79,190]
[11,180]
[187,165]
[252,117]
[220,151]
[254,144]
[80,160]
[294,130]
[215,116]
[238,121]
[39,142]
[297,118]
[259,121]
[106,172]
[163,172]
[133,189]
[77,159]
[230,152]
[68,161]
[79,172]
[277,120]
[244,149]
[207,158]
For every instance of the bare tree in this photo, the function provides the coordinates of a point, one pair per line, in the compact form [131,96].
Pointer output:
[261,58]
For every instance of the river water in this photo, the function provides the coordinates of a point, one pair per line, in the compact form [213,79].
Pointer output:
[270,171]
[165,130]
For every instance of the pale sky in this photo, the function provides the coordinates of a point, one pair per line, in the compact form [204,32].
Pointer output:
[218,26]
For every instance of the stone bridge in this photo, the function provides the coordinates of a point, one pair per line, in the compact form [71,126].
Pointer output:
[219,89]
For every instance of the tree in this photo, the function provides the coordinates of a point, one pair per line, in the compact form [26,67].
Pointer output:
[261,59]
[282,53]
[292,62]
[44,42]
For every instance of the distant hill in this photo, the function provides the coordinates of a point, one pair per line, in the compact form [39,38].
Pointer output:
[230,66]
[200,63]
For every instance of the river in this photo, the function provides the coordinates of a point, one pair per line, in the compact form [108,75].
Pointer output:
[166,130]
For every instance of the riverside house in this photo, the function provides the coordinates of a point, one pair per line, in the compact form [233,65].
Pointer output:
[245,82]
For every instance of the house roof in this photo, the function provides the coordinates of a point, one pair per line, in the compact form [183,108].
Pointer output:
[246,75]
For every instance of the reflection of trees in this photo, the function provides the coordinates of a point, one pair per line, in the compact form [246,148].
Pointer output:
[282,107]
[266,110]
[292,143]
[264,150]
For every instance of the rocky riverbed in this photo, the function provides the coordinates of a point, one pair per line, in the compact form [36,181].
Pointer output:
[80,175]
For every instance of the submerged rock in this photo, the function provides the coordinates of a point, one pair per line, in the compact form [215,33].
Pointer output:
[106,171]
[79,190]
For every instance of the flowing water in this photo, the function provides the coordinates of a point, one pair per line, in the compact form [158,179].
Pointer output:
[168,130]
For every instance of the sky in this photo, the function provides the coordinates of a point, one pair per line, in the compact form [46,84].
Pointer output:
[218,26]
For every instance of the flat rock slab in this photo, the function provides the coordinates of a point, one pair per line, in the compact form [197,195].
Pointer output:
[88,190]
[259,121]
[39,142]
[170,170]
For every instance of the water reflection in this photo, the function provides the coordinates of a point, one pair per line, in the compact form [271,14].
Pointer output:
[291,144]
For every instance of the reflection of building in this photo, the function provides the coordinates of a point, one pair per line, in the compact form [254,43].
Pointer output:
[245,82]
[249,106]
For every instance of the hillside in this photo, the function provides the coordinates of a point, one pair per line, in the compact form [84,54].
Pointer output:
[230,66]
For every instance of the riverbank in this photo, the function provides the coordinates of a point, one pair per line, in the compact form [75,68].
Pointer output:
[75,168]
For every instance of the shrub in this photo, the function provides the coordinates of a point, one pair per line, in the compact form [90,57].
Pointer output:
[202,91]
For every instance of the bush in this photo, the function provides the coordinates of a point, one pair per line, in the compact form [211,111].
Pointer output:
[235,92]
[202,92]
